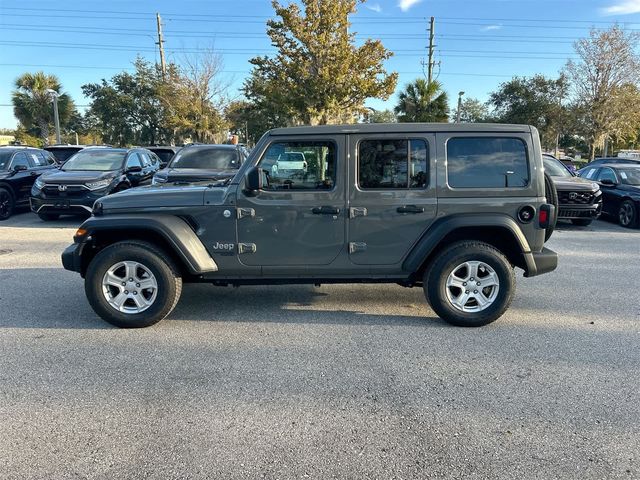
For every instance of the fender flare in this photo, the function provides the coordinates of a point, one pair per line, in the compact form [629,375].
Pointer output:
[175,231]
[433,237]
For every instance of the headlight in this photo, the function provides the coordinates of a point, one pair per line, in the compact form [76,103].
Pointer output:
[100,184]
[39,183]
[157,179]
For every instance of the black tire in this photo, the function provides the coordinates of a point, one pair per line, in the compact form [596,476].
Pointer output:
[628,214]
[7,203]
[169,283]
[48,217]
[435,280]
[552,197]
[582,222]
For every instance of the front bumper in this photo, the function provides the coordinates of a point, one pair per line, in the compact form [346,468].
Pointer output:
[541,262]
[568,212]
[71,205]
[71,258]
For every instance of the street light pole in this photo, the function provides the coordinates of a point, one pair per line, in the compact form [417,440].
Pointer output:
[460,94]
[56,116]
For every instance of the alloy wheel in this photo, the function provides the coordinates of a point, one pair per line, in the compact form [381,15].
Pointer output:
[129,287]
[625,215]
[5,204]
[472,286]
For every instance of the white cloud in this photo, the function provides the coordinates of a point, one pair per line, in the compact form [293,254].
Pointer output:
[624,7]
[375,7]
[488,28]
[407,4]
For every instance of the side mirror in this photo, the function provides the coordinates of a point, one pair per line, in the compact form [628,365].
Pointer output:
[253,181]
[19,168]
[134,169]
[608,182]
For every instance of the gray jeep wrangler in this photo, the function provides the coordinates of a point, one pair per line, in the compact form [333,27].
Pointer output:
[450,208]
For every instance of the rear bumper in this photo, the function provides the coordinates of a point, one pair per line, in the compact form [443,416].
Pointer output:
[541,262]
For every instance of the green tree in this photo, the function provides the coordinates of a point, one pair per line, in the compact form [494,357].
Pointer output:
[473,111]
[604,83]
[380,116]
[32,103]
[536,101]
[318,75]
[422,101]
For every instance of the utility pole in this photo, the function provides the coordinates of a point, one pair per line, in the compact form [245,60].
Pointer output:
[432,27]
[459,107]
[160,43]
[53,95]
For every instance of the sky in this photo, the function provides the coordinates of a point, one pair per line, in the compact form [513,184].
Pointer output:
[479,43]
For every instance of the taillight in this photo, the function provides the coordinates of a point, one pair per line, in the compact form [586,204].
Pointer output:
[544,215]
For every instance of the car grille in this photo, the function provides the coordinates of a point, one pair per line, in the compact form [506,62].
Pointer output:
[575,198]
[71,191]
[568,213]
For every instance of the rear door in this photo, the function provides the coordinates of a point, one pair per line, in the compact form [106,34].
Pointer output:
[392,199]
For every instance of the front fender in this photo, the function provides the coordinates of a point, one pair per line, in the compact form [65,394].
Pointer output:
[174,231]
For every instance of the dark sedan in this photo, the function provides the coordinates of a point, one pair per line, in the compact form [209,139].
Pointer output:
[611,161]
[90,174]
[196,163]
[620,185]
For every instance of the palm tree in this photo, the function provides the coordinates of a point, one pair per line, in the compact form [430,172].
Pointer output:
[422,101]
[32,103]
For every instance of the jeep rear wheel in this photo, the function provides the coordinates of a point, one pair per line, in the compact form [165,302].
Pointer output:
[132,284]
[470,284]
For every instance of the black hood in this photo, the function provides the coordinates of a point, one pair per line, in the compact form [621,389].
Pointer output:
[190,175]
[78,177]
[575,184]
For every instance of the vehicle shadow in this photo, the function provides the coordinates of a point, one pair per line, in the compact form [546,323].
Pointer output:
[25,218]
[61,304]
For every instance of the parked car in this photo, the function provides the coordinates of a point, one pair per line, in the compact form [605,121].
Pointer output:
[197,162]
[611,161]
[580,200]
[19,169]
[620,183]
[378,204]
[90,174]
[62,153]
[165,153]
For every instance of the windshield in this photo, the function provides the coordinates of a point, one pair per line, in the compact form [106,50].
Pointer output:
[4,160]
[95,161]
[555,168]
[629,176]
[207,158]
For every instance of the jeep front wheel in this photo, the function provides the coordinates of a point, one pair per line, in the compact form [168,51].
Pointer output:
[132,284]
[470,284]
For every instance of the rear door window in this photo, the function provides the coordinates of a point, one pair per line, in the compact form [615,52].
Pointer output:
[392,164]
[487,162]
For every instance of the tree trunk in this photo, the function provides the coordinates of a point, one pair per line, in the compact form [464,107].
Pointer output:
[44,132]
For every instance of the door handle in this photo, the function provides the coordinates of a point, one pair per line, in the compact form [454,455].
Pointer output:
[325,210]
[410,209]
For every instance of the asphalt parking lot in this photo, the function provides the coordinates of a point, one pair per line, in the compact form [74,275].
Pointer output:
[342,381]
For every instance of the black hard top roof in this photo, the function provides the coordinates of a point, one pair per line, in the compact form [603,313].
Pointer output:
[404,128]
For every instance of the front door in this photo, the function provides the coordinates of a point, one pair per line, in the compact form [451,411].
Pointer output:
[299,217]
[22,179]
[393,199]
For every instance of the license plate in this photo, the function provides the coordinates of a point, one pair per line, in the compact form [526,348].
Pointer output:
[62,204]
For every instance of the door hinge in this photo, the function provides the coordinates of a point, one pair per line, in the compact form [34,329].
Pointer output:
[355,247]
[246,248]
[357,212]
[245,212]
